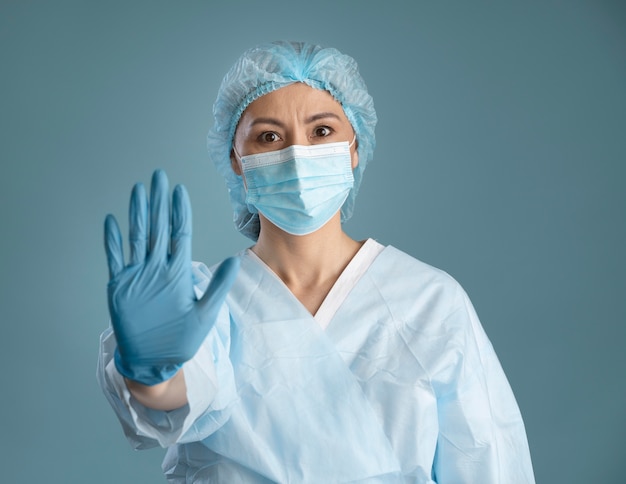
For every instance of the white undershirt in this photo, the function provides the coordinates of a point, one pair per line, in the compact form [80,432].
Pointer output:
[358,266]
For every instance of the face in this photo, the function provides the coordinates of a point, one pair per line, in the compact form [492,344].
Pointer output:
[293,115]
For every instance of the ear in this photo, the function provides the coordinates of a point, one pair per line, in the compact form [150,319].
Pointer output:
[355,155]
[234,163]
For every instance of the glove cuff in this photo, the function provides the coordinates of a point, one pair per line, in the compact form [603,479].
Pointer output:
[146,375]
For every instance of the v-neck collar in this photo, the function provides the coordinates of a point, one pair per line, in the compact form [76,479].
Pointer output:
[358,265]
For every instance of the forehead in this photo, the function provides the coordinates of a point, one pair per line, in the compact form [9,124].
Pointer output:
[294,99]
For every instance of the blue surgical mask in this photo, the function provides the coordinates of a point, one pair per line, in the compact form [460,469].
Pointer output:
[299,188]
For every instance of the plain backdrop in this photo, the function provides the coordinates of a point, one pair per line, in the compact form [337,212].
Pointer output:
[501,159]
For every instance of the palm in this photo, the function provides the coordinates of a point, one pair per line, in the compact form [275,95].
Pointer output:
[158,322]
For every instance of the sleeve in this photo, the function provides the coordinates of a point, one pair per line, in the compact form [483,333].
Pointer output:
[481,432]
[209,380]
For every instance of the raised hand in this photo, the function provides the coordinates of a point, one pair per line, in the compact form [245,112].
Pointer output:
[158,322]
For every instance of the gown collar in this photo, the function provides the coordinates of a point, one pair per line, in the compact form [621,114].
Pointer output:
[355,269]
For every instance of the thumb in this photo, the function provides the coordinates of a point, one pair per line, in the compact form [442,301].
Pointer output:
[221,282]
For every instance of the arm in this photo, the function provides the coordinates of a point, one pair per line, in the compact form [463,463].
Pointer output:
[160,321]
[210,388]
[481,432]
[169,395]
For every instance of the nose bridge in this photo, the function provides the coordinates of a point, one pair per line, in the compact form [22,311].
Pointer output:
[299,137]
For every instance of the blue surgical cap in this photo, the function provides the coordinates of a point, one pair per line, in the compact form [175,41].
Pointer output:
[269,67]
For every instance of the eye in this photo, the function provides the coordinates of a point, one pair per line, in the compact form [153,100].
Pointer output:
[322,131]
[269,137]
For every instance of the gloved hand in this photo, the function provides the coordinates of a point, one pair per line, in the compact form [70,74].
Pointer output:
[158,322]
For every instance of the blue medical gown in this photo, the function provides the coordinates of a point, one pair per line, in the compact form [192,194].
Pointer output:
[402,385]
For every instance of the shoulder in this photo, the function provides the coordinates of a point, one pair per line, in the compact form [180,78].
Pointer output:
[415,285]
[431,312]
[405,263]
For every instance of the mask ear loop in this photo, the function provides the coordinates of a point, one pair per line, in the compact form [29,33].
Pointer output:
[243,175]
[352,142]
[237,155]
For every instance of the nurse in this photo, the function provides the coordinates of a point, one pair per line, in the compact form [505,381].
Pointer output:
[309,357]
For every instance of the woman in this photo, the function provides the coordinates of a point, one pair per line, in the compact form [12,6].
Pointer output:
[310,357]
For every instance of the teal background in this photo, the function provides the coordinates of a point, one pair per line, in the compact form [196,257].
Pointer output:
[500,159]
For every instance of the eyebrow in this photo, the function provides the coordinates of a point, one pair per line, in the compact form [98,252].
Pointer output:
[317,117]
[311,119]
[273,121]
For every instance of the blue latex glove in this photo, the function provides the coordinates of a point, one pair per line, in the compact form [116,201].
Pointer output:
[158,322]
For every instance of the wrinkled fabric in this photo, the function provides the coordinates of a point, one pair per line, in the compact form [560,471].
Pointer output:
[268,67]
[402,386]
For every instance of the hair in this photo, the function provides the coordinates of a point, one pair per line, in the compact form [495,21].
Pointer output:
[268,67]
